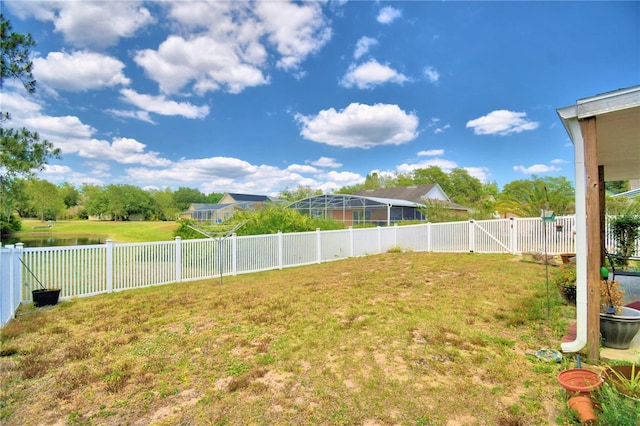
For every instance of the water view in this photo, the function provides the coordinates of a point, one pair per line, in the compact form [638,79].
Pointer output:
[52,241]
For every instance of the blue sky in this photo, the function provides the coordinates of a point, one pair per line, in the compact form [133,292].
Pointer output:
[258,97]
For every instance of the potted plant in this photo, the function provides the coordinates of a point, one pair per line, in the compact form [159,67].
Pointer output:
[625,379]
[618,324]
[564,278]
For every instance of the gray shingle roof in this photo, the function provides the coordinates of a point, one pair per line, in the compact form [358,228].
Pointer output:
[409,193]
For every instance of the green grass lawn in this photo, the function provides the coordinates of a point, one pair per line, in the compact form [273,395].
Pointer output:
[398,338]
[120,232]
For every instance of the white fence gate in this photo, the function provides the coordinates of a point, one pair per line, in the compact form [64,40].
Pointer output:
[89,270]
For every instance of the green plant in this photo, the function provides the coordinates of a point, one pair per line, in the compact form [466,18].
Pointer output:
[615,409]
[628,385]
[565,275]
[625,229]
[115,380]
[395,249]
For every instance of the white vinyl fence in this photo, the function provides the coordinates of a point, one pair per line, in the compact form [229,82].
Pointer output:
[94,269]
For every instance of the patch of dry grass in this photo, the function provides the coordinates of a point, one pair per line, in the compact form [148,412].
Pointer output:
[400,338]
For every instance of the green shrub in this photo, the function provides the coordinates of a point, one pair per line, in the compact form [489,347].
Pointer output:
[273,218]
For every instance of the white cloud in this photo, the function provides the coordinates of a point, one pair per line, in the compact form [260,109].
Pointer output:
[432,74]
[302,168]
[332,181]
[343,178]
[214,46]
[210,63]
[88,24]
[371,74]
[121,150]
[431,153]
[326,162]
[296,30]
[363,45]
[161,105]
[20,107]
[502,122]
[225,174]
[445,165]
[79,71]
[388,14]
[73,136]
[442,129]
[480,173]
[230,45]
[360,126]
[64,131]
[434,124]
[536,168]
[196,170]
[558,161]
[138,115]
[57,174]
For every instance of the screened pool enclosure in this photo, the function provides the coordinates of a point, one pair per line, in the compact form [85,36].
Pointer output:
[355,209]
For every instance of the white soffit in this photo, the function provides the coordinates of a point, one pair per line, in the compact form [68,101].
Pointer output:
[618,130]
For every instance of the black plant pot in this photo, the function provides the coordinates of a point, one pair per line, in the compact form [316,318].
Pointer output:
[44,297]
[568,293]
[619,330]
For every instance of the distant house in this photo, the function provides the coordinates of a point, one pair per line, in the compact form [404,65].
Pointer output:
[230,198]
[421,194]
[212,213]
[383,206]
[225,208]
[356,209]
[135,217]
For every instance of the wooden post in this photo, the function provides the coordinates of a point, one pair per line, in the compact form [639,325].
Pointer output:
[603,214]
[588,129]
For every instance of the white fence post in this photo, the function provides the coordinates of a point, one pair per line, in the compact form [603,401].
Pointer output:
[379,229]
[16,273]
[395,235]
[234,254]
[472,236]
[178,259]
[319,245]
[109,265]
[17,279]
[429,236]
[280,249]
[351,242]
[513,235]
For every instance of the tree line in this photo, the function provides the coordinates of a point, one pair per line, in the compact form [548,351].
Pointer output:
[41,199]
[37,198]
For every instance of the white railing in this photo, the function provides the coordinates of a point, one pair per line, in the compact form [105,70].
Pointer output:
[89,270]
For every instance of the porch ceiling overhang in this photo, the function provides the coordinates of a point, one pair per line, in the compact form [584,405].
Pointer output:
[618,130]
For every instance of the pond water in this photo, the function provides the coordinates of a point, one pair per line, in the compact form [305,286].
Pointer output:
[52,242]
